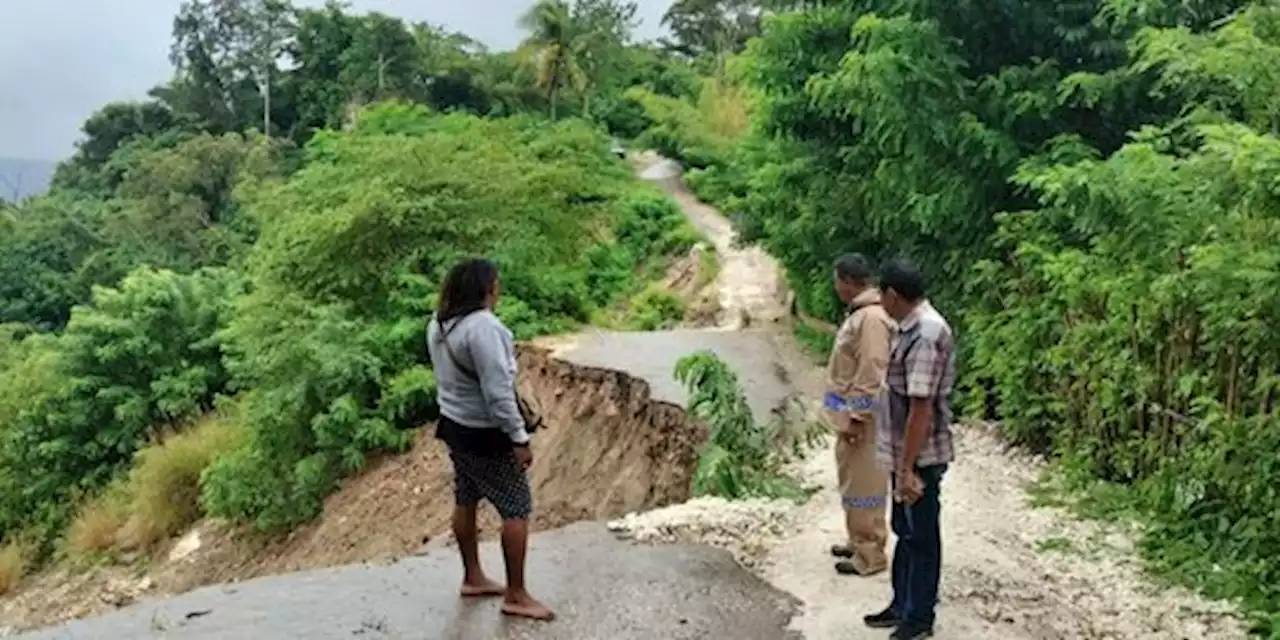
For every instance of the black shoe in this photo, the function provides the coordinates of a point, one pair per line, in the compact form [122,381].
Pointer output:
[841,551]
[912,631]
[886,619]
[851,568]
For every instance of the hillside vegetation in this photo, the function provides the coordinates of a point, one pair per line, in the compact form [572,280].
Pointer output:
[219,308]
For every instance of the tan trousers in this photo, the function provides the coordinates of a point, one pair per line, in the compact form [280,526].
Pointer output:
[864,488]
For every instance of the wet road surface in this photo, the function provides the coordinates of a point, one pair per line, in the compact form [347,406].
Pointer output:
[652,356]
[600,587]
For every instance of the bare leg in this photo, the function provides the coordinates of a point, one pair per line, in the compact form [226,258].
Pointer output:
[518,602]
[474,582]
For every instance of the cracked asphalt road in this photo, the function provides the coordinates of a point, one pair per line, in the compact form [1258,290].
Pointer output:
[600,587]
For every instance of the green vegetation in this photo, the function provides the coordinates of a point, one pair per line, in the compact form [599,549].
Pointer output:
[708,268]
[699,130]
[816,343]
[1055,544]
[656,308]
[1088,186]
[164,483]
[743,458]
[218,308]
[136,360]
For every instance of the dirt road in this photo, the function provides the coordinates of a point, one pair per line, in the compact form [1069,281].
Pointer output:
[1011,571]
[751,285]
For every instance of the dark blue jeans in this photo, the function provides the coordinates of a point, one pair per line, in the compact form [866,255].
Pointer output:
[917,558]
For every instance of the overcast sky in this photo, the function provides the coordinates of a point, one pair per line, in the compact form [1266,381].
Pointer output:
[62,59]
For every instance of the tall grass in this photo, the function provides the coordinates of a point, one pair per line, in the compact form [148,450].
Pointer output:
[723,106]
[96,527]
[159,497]
[708,267]
[165,481]
[13,565]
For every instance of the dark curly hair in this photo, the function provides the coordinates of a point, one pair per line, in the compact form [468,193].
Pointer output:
[466,288]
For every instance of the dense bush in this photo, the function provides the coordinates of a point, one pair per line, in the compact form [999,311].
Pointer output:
[325,386]
[650,222]
[41,252]
[656,308]
[1136,336]
[678,130]
[329,343]
[173,206]
[142,359]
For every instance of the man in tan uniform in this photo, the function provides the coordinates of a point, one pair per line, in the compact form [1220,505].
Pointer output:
[855,379]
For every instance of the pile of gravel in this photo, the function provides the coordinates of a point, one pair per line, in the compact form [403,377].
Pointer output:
[745,528]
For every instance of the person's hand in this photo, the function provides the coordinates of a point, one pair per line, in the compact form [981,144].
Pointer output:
[525,455]
[854,430]
[909,487]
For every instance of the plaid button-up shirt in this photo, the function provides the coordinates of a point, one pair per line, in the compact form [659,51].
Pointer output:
[922,365]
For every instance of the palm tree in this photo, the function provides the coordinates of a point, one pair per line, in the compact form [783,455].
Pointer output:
[587,49]
[554,49]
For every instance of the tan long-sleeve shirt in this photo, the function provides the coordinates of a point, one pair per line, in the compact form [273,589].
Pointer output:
[860,358]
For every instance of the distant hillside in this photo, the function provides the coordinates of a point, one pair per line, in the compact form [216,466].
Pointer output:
[21,178]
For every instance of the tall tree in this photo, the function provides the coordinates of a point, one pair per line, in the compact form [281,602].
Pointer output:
[382,59]
[604,28]
[43,249]
[553,48]
[272,27]
[712,27]
[452,71]
[107,131]
[323,36]
[224,51]
[178,208]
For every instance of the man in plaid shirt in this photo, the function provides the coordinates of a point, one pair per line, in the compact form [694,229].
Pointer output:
[915,443]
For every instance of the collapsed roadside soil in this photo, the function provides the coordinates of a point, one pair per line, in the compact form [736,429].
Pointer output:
[607,449]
